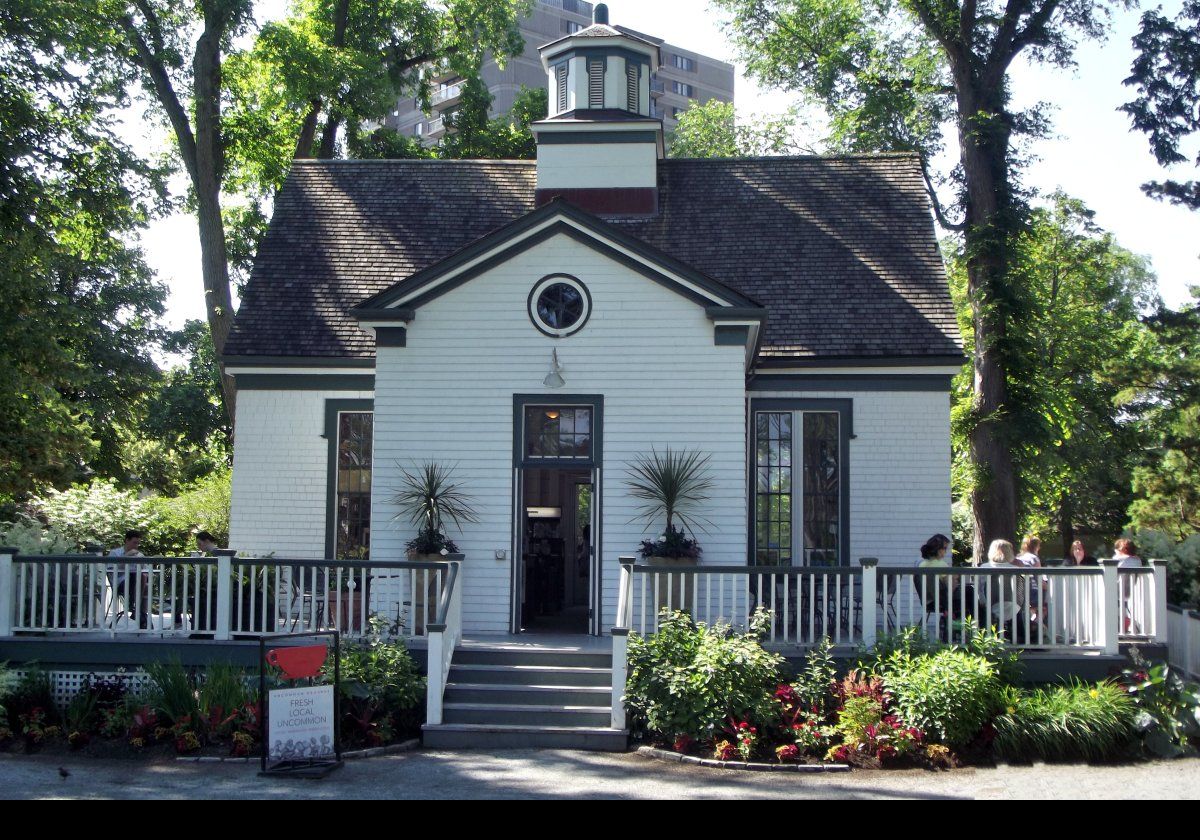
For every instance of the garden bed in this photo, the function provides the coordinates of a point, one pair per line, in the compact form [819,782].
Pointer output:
[710,696]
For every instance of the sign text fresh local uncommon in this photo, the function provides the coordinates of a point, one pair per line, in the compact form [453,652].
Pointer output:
[301,724]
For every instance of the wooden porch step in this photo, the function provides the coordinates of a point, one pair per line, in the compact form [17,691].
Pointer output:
[530,695]
[512,714]
[490,736]
[529,674]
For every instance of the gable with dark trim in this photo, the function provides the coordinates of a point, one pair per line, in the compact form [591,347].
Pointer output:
[424,284]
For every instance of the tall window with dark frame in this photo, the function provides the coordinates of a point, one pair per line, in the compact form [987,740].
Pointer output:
[352,501]
[814,513]
[773,489]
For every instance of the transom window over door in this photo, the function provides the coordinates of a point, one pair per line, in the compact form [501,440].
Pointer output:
[800,506]
[558,433]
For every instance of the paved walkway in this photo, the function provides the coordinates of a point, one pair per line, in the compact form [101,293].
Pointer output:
[562,775]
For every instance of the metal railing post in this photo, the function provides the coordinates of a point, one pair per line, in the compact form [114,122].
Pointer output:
[1111,606]
[1161,629]
[869,586]
[8,589]
[222,631]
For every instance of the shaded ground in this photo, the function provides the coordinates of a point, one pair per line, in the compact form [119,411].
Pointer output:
[560,774]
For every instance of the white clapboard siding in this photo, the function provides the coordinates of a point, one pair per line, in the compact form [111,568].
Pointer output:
[280,472]
[448,396]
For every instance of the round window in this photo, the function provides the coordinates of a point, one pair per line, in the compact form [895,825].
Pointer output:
[559,305]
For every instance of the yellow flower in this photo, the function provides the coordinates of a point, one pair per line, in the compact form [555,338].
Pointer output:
[1094,693]
[1012,710]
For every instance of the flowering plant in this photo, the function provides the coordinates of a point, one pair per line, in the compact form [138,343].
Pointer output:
[746,736]
[724,751]
[787,752]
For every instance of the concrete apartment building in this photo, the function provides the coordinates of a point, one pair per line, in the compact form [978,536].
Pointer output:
[685,77]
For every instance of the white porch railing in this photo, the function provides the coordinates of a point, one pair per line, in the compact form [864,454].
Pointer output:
[1183,640]
[445,632]
[220,597]
[1076,608]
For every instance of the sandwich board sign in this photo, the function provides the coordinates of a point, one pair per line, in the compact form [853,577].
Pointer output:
[300,733]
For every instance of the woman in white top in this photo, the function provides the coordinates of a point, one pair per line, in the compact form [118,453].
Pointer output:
[1125,553]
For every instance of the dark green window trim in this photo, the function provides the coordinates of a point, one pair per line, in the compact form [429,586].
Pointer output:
[939,383]
[593,401]
[305,381]
[332,409]
[862,361]
[845,410]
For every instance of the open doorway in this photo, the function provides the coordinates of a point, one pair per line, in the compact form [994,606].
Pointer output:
[557,505]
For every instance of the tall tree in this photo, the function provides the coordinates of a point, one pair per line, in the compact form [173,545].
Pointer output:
[1168,385]
[329,64]
[79,306]
[1077,442]
[472,134]
[894,75]
[1166,75]
[712,130]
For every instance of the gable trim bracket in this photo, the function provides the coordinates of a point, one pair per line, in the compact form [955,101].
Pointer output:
[738,326]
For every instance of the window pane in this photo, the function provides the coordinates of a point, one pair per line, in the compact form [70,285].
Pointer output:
[352,526]
[558,432]
[822,489]
[773,490]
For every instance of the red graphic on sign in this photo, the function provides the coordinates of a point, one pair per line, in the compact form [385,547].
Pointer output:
[298,663]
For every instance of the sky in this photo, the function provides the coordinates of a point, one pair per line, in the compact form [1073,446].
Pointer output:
[1091,154]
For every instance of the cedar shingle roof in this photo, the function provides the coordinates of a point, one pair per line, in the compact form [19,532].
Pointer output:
[841,250]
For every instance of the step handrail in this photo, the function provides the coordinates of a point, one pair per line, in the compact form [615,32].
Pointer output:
[444,636]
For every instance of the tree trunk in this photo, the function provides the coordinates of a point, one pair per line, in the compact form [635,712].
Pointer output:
[308,131]
[210,165]
[329,137]
[984,140]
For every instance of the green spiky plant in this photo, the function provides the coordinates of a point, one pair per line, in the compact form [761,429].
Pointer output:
[671,485]
[430,499]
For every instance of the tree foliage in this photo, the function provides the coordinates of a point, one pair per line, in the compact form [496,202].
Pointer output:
[1077,436]
[711,130]
[471,134]
[901,76]
[79,307]
[1167,384]
[1166,76]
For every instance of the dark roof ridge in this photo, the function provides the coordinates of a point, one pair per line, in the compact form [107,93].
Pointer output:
[839,156]
[423,161]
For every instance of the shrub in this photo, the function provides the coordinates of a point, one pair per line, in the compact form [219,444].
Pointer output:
[691,679]
[813,685]
[1183,564]
[949,695]
[202,506]
[1073,721]
[99,512]
[382,690]
[172,694]
[28,536]
[32,692]
[1167,708]
[225,699]
[865,727]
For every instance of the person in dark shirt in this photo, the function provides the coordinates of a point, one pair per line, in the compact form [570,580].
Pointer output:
[1079,556]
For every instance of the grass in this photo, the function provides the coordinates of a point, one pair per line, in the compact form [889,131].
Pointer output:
[1066,722]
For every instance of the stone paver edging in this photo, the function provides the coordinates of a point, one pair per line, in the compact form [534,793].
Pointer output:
[391,749]
[668,755]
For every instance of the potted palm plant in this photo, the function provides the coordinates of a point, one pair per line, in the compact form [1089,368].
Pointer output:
[430,499]
[671,486]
